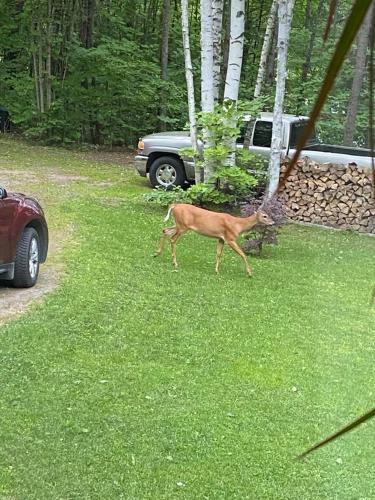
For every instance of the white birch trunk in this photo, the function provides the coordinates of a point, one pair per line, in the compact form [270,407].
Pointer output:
[164,61]
[262,68]
[265,49]
[207,75]
[217,23]
[189,82]
[232,81]
[285,21]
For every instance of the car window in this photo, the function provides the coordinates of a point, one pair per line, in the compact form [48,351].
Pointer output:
[262,134]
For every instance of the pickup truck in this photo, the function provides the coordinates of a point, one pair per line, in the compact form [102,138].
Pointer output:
[23,239]
[160,160]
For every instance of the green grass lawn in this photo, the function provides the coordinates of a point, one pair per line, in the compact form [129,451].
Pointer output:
[133,381]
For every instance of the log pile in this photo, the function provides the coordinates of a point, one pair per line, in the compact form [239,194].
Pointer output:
[331,195]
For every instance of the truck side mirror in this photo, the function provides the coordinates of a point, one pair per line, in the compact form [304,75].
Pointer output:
[3,193]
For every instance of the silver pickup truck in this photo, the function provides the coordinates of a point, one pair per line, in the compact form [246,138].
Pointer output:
[160,160]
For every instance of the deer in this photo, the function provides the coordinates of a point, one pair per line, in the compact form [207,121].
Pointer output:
[225,227]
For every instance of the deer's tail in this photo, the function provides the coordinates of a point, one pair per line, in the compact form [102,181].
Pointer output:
[169,212]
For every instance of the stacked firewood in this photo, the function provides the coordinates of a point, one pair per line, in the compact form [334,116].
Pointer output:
[331,195]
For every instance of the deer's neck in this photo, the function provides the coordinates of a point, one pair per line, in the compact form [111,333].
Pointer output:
[248,222]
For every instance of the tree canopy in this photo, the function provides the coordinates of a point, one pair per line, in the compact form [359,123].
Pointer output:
[76,71]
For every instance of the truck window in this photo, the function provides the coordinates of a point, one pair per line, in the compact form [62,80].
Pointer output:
[262,134]
[243,130]
[296,132]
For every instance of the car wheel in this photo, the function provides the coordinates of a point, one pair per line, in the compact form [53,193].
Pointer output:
[166,172]
[26,266]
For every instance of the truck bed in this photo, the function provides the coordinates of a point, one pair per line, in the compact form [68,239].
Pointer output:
[328,148]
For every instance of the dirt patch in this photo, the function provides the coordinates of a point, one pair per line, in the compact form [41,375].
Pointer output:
[14,301]
[66,178]
[17,180]
[123,158]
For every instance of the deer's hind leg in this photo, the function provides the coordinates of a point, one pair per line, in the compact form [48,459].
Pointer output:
[174,239]
[219,253]
[167,233]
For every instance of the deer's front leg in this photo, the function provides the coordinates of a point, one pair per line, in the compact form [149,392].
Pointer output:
[234,245]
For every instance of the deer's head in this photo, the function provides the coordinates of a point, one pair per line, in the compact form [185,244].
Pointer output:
[263,218]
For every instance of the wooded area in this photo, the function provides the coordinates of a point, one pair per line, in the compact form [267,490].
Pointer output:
[109,71]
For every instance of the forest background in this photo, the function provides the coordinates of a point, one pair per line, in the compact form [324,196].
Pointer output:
[109,71]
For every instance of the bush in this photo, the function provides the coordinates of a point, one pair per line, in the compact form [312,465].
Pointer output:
[228,186]
[164,197]
[262,235]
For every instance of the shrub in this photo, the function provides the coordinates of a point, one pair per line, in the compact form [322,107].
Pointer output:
[164,197]
[262,235]
[228,186]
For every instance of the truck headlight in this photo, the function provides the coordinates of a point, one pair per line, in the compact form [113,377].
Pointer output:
[141,145]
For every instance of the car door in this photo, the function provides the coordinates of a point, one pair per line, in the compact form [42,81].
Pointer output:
[7,208]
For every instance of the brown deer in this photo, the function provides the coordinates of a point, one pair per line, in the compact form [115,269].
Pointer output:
[226,228]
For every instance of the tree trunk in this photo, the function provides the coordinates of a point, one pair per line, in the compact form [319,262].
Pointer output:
[285,21]
[164,61]
[265,49]
[87,26]
[49,57]
[207,76]
[224,66]
[270,66]
[359,72]
[311,22]
[190,84]
[36,81]
[40,70]
[217,14]
[232,81]
[264,56]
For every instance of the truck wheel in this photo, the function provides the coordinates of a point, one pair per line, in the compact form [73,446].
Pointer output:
[26,266]
[167,171]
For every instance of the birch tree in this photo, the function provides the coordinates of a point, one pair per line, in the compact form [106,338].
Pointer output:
[285,11]
[207,76]
[189,83]
[265,49]
[232,81]
[217,23]
[262,69]
[164,60]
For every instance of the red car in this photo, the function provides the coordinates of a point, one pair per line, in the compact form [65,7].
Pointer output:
[23,239]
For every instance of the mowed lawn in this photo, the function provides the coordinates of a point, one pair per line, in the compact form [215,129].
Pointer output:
[134,381]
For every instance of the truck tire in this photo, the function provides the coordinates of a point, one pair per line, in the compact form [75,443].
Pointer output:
[166,172]
[26,265]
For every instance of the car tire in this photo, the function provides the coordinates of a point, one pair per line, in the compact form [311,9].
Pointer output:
[26,265]
[167,172]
